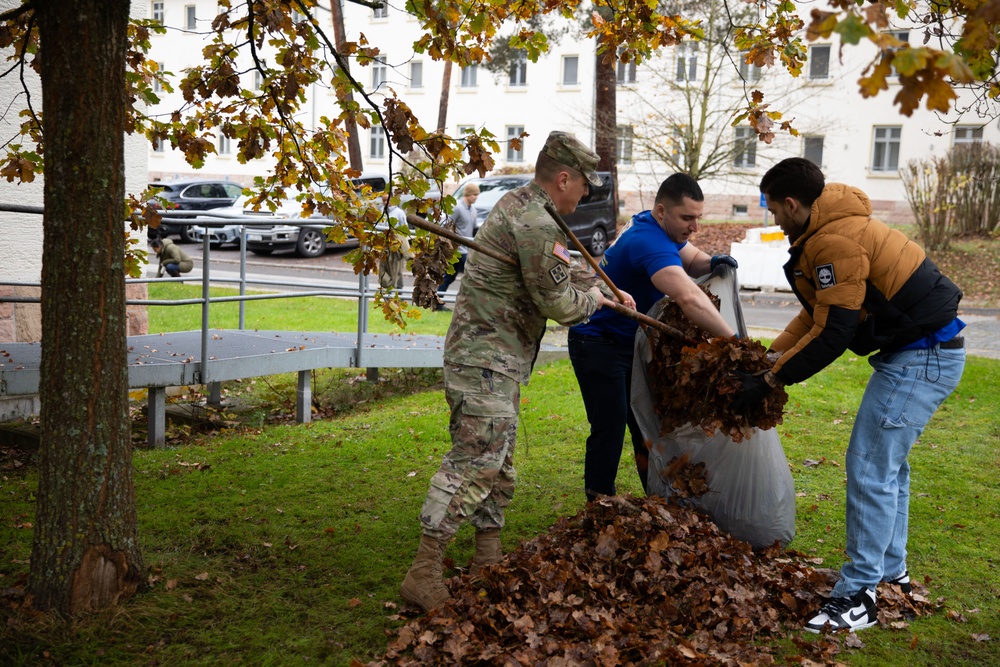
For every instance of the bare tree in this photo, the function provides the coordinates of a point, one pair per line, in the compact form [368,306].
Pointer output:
[686,112]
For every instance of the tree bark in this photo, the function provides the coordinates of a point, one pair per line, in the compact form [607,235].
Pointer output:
[339,38]
[85,551]
[445,93]
[605,113]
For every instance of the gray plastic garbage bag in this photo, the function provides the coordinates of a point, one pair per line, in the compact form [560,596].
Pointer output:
[751,494]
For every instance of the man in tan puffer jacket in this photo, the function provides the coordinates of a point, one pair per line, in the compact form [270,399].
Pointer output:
[864,287]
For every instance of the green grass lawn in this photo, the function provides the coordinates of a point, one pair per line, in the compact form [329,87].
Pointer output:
[313,313]
[277,544]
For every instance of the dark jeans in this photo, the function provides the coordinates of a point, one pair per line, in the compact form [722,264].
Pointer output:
[603,369]
[173,269]
[449,278]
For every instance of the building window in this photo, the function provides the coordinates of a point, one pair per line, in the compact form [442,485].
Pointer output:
[570,70]
[885,149]
[158,85]
[687,62]
[417,74]
[903,36]
[258,81]
[158,12]
[190,18]
[626,71]
[381,12]
[812,150]
[518,69]
[623,144]
[749,72]
[297,16]
[744,148]
[739,210]
[378,72]
[819,61]
[159,146]
[462,131]
[514,132]
[225,147]
[469,76]
[377,142]
[967,134]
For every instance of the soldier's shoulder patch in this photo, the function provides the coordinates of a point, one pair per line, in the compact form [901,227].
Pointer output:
[558,273]
[559,251]
[825,277]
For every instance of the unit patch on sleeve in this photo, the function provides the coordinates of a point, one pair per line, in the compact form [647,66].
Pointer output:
[825,276]
[558,273]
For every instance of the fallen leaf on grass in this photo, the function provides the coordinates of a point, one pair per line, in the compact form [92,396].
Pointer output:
[981,637]
[202,577]
[353,602]
[170,585]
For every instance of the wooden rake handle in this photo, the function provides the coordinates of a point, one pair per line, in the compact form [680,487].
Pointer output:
[421,223]
[617,307]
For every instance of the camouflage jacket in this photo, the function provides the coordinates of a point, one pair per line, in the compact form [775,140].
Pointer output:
[501,310]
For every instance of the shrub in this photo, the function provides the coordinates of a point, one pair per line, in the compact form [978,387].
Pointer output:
[955,195]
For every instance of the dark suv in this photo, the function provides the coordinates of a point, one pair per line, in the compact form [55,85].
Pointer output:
[192,195]
[595,221]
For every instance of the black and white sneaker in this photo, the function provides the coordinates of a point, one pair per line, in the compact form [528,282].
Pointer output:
[856,612]
[903,581]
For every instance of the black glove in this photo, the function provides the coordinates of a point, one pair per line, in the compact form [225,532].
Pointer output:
[755,388]
[723,259]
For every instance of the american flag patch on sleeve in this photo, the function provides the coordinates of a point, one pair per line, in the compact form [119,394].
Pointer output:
[560,251]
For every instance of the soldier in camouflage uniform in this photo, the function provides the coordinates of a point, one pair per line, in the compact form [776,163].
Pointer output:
[494,337]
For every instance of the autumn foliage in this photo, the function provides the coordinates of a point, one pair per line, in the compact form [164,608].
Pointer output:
[694,381]
[632,582]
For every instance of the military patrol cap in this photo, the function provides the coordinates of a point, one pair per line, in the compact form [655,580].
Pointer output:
[566,149]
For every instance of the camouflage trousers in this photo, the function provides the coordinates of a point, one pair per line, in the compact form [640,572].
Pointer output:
[476,479]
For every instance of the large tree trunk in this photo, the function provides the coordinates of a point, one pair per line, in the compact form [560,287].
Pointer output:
[339,39]
[85,554]
[605,113]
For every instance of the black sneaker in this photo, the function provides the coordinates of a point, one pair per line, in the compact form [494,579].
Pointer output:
[849,613]
[903,581]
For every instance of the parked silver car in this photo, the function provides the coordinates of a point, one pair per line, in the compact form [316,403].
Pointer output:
[191,195]
[306,240]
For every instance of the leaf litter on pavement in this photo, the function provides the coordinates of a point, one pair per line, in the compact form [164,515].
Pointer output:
[637,581]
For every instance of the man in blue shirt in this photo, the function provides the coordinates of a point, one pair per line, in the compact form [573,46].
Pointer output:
[650,258]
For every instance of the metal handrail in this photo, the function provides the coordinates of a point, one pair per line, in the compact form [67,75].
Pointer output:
[199,218]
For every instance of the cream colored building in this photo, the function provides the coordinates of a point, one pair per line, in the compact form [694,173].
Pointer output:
[855,140]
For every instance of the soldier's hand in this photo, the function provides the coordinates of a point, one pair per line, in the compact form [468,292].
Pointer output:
[628,300]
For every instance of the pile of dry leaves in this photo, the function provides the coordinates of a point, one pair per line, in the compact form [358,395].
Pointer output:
[633,582]
[694,382]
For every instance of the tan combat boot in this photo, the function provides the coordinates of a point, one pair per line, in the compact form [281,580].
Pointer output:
[487,550]
[423,585]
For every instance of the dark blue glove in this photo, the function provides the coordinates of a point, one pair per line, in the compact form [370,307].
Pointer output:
[723,259]
[754,390]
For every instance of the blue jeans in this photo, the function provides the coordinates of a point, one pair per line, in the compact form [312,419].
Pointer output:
[604,371]
[902,395]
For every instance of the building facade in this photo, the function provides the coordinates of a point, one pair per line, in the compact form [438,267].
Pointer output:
[860,141]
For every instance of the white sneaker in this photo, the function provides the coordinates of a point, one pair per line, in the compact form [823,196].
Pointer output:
[856,612]
[903,581]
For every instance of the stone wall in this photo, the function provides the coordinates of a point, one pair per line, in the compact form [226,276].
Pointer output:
[22,322]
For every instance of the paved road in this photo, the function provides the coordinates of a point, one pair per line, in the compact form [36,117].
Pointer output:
[766,313]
